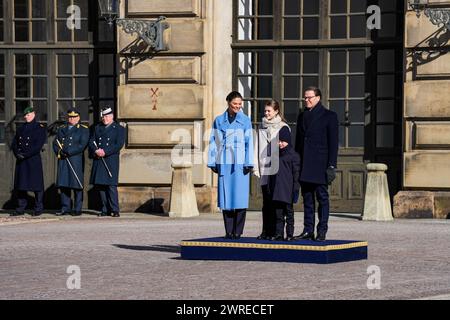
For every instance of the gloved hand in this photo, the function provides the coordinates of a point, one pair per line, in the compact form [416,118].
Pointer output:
[63,154]
[331,174]
[256,173]
[247,170]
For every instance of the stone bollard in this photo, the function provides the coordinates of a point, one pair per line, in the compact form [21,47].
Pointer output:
[183,202]
[377,204]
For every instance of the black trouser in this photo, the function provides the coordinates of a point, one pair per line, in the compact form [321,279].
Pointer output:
[110,199]
[310,193]
[66,200]
[234,221]
[22,201]
[284,215]
[268,213]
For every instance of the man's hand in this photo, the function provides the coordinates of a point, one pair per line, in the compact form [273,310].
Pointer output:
[215,169]
[247,170]
[331,174]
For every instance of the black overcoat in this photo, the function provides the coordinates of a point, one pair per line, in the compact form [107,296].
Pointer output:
[283,184]
[317,143]
[27,146]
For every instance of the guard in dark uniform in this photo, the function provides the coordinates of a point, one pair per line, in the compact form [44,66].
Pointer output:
[70,142]
[105,143]
[27,146]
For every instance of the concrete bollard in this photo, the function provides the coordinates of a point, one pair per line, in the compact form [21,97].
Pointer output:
[377,204]
[183,202]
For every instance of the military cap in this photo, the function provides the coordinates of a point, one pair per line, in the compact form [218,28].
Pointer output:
[28,110]
[106,110]
[72,112]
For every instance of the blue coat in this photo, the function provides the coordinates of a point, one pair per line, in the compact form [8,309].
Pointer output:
[317,144]
[230,150]
[28,143]
[111,139]
[74,141]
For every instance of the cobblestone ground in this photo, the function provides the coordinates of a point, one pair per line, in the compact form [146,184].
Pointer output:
[137,257]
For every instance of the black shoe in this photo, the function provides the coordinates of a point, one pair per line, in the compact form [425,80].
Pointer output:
[321,237]
[277,238]
[36,213]
[16,214]
[228,236]
[102,214]
[61,213]
[115,214]
[305,236]
[262,236]
[290,238]
[236,236]
[75,214]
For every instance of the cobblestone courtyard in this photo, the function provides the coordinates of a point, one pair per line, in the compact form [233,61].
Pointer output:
[137,257]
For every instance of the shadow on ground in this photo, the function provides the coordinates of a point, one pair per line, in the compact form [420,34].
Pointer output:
[160,248]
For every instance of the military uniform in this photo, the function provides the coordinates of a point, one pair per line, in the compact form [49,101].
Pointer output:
[111,139]
[74,140]
[27,146]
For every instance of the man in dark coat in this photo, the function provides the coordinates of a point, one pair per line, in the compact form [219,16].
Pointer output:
[105,143]
[317,143]
[284,186]
[27,146]
[69,145]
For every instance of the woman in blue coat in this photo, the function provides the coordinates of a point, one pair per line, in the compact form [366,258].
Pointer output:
[231,157]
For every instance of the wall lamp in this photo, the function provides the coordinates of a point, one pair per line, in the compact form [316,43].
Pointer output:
[435,11]
[149,31]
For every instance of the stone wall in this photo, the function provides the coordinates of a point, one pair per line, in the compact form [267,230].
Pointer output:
[426,112]
[178,90]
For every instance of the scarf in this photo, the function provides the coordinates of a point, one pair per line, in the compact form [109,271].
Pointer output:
[272,126]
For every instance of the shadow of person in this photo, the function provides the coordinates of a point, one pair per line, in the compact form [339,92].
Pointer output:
[160,248]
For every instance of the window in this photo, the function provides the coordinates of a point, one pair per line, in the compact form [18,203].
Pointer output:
[301,19]
[255,19]
[255,81]
[30,82]
[347,93]
[106,79]
[30,20]
[300,70]
[348,19]
[78,30]
[73,84]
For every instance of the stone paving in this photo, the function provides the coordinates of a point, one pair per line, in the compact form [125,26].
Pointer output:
[137,257]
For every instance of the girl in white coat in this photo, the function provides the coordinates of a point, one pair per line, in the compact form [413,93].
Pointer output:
[266,161]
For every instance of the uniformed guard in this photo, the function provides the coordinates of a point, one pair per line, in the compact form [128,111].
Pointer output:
[105,143]
[70,142]
[27,146]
